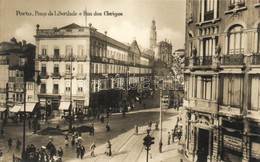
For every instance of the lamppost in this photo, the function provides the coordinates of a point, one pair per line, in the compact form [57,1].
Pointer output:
[70,108]
[38,82]
[160,135]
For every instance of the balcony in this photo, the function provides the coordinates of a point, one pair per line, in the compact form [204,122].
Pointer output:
[43,57]
[234,59]
[202,61]
[255,59]
[55,91]
[43,91]
[81,58]
[238,5]
[67,75]
[68,57]
[44,75]
[230,111]
[81,76]
[208,106]
[56,58]
[56,75]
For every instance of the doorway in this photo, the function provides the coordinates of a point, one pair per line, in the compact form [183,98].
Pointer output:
[203,145]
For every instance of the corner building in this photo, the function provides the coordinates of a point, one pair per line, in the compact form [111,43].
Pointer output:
[89,68]
[221,71]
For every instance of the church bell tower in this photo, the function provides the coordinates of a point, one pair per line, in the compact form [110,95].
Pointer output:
[153,35]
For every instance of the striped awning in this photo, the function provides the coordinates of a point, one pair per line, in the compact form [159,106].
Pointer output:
[64,105]
[2,109]
[29,106]
[16,108]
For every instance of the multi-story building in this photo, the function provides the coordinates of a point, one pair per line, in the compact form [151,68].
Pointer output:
[88,68]
[16,58]
[222,80]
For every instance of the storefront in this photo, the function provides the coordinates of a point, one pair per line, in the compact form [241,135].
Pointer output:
[232,140]
[254,137]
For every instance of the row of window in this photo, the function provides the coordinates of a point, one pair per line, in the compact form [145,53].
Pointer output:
[69,51]
[231,90]
[108,53]
[16,73]
[235,43]
[56,68]
[114,69]
[20,85]
[56,89]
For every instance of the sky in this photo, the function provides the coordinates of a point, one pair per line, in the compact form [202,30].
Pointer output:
[135,22]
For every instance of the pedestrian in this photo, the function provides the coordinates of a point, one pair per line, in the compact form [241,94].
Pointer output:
[82,151]
[169,138]
[173,134]
[92,148]
[108,152]
[18,144]
[73,141]
[144,105]
[150,125]
[78,151]
[108,127]
[10,141]
[136,129]
[79,140]
[123,113]
[92,130]
[29,123]
[102,119]
[157,126]
[60,152]
[66,140]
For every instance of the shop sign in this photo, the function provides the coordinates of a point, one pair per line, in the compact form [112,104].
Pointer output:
[233,143]
[255,150]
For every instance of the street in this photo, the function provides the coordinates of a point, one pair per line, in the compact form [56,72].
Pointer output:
[126,146]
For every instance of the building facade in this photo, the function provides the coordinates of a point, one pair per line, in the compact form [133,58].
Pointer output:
[17,63]
[89,68]
[222,80]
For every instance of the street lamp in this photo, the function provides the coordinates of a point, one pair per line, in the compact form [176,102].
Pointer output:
[160,142]
[38,82]
[70,108]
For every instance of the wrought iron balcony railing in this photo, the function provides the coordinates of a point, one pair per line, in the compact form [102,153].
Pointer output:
[43,91]
[203,60]
[256,59]
[44,75]
[55,91]
[235,59]
[43,57]
[56,75]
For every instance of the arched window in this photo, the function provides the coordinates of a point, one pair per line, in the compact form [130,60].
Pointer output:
[236,40]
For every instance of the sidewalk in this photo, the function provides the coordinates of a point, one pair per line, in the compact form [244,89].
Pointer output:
[128,147]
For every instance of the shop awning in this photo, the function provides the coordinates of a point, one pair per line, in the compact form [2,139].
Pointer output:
[2,109]
[16,108]
[30,106]
[64,106]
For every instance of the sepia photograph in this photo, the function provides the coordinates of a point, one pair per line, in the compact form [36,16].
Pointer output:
[130,80]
